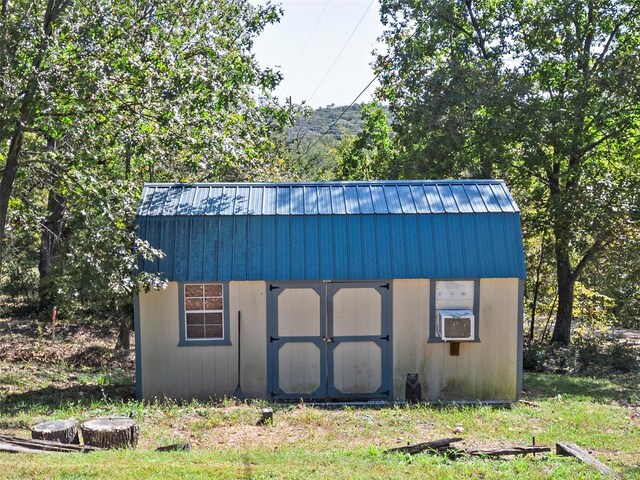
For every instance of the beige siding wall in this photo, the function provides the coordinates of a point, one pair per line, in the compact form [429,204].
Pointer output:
[202,372]
[486,370]
[410,332]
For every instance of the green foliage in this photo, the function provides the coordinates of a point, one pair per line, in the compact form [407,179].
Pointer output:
[96,98]
[370,155]
[544,94]
[317,145]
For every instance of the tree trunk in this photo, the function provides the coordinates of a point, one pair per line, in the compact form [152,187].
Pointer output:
[536,291]
[566,282]
[110,432]
[6,184]
[53,10]
[50,243]
[123,341]
[63,431]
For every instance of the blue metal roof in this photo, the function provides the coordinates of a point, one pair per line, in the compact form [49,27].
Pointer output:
[332,230]
[329,198]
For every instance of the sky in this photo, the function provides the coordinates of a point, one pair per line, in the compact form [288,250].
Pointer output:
[323,49]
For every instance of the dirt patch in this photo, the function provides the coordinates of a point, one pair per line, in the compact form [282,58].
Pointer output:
[78,346]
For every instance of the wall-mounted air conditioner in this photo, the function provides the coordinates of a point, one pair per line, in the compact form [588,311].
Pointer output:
[456,325]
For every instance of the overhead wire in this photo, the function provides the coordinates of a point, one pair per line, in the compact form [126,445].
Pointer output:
[415,31]
[306,45]
[341,51]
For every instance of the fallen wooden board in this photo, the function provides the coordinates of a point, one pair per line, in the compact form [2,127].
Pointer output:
[434,446]
[11,448]
[498,452]
[573,450]
[45,445]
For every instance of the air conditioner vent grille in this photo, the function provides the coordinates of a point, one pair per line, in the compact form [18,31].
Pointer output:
[456,325]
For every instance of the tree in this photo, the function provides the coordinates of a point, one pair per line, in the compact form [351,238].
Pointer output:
[98,96]
[545,94]
[370,154]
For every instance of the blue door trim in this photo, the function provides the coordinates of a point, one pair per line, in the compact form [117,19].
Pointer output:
[326,291]
[384,392]
[275,341]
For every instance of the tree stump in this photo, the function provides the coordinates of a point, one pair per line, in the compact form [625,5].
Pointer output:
[63,431]
[110,432]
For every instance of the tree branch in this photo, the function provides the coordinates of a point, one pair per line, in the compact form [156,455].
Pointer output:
[591,252]
[476,26]
[612,36]
[601,140]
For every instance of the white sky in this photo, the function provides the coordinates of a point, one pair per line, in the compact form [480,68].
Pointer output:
[281,46]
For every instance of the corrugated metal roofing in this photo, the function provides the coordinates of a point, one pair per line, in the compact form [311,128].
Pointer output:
[332,231]
[330,198]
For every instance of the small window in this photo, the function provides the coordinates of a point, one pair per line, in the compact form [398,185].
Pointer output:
[204,309]
[203,319]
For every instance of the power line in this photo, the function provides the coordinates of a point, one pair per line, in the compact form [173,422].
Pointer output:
[340,53]
[342,114]
[372,80]
[306,45]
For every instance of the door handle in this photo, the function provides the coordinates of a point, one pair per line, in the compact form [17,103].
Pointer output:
[273,339]
[386,337]
[327,339]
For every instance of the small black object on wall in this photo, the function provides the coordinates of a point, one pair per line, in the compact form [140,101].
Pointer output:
[413,389]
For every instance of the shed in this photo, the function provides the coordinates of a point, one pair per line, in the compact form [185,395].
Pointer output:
[339,290]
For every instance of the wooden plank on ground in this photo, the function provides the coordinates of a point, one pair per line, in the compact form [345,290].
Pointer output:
[11,448]
[45,445]
[433,446]
[497,452]
[573,450]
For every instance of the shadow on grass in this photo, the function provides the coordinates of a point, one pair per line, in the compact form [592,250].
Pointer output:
[51,398]
[621,388]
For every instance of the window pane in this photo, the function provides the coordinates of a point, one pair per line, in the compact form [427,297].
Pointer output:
[213,304]
[195,332]
[214,290]
[213,318]
[194,303]
[214,331]
[195,318]
[193,290]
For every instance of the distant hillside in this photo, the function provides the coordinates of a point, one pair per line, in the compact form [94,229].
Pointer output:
[316,155]
[322,118]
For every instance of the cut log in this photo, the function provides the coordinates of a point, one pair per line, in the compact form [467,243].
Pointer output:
[43,445]
[573,450]
[436,446]
[62,431]
[110,432]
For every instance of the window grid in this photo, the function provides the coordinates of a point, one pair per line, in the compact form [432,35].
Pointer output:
[204,311]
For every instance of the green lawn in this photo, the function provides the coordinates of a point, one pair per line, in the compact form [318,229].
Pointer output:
[304,442]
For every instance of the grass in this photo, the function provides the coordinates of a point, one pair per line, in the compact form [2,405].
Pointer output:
[349,442]
[287,463]
[602,415]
